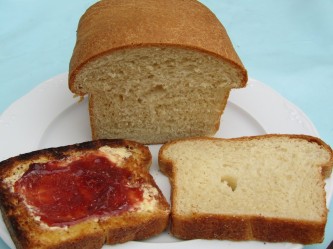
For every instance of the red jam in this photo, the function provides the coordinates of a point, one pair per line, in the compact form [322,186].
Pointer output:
[89,186]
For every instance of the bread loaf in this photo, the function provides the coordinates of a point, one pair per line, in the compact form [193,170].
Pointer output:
[81,196]
[154,70]
[267,188]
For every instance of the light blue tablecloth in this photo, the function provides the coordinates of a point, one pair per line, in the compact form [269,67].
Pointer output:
[285,44]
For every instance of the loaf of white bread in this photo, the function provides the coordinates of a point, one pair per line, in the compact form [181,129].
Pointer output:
[154,70]
[267,188]
[81,196]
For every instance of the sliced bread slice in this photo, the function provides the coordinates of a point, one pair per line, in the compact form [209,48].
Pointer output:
[81,196]
[267,188]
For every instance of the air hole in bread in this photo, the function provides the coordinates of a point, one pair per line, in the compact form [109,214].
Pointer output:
[230,181]
[155,93]
[157,89]
[121,98]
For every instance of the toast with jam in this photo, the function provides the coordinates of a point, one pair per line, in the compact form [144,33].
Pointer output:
[81,196]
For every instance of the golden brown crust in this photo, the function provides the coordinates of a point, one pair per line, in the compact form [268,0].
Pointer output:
[278,230]
[91,117]
[139,228]
[27,232]
[222,108]
[187,24]
[239,228]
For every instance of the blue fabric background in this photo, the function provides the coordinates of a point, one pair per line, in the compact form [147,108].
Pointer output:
[286,44]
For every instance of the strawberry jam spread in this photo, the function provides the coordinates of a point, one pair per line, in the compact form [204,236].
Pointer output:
[91,185]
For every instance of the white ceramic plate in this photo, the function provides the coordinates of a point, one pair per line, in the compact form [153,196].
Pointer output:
[49,116]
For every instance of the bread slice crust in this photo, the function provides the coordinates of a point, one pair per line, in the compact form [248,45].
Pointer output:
[240,228]
[27,232]
[212,225]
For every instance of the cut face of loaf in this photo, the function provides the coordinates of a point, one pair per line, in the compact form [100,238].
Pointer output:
[81,196]
[177,93]
[268,188]
[158,82]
